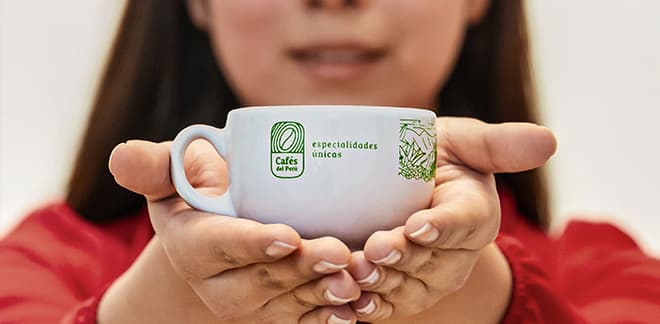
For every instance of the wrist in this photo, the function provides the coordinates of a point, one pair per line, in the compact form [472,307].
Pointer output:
[149,291]
[489,288]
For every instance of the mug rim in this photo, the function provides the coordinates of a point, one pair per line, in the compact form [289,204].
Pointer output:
[362,108]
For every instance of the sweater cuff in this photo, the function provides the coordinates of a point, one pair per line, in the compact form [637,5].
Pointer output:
[86,311]
[521,307]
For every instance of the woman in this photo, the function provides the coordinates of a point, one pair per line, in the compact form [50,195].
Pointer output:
[479,254]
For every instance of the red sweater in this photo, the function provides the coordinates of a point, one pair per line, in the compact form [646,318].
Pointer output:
[55,266]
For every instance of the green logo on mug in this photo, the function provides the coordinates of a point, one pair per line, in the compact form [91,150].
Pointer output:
[417,150]
[287,149]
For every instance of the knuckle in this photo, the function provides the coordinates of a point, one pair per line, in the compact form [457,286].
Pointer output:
[427,267]
[394,293]
[398,284]
[264,278]
[219,253]
[299,301]
[417,260]
[436,253]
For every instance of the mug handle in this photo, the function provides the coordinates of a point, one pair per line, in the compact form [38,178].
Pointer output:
[222,204]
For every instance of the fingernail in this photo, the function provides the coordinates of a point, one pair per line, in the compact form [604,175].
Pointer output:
[329,296]
[391,258]
[115,150]
[427,234]
[325,266]
[279,248]
[371,279]
[368,309]
[113,153]
[334,319]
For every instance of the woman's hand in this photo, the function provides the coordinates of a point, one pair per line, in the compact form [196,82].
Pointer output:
[204,268]
[426,265]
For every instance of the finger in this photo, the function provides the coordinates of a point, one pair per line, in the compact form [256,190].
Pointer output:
[493,148]
[144,168]
[201,245]
[465,215]
[335,289]
[255,285]
[329,315]
[440,271]
[390,283]
[362,270]
[408,295]
[405,294]
[370,307]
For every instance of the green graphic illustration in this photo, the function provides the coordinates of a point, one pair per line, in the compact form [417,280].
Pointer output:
[287,149]
[417,150]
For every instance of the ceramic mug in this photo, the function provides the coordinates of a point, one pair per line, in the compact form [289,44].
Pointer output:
[342,171]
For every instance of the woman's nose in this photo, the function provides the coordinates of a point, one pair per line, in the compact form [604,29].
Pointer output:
[334,4]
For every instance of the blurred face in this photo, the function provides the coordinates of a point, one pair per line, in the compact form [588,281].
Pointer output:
[378,52]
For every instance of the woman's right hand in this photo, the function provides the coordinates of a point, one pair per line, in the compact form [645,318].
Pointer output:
[205,268]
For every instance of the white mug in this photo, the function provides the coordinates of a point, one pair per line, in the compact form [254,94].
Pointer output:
[342,171]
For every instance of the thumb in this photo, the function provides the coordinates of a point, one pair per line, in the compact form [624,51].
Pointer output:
[494,148]
[143,167]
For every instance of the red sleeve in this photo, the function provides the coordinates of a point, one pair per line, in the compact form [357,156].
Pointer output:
[54,268]
[597,275]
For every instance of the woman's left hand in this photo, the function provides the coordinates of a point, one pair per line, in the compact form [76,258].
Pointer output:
[416,268]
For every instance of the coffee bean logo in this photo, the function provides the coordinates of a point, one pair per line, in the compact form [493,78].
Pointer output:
[287,149]
[287,137]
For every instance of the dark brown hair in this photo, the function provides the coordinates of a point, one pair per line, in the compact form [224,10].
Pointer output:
[162,76]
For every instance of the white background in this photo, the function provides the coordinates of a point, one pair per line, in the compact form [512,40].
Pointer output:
[597,66]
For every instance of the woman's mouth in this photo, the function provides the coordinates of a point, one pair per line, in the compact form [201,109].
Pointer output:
[337,63]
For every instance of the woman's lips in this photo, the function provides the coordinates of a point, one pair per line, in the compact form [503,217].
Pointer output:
[339,63]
